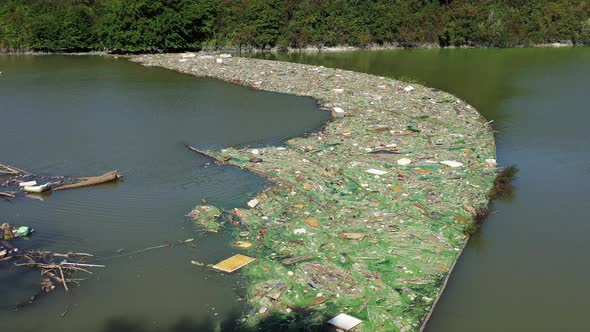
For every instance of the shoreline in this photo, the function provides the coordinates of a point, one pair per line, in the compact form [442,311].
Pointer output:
[307,49]
[371,210]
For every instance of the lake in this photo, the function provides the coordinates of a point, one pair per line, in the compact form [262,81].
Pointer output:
[85,115]
[527,270]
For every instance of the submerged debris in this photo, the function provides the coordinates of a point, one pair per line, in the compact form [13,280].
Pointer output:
[366,216]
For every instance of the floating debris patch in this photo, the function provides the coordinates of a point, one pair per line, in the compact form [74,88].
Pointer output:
[367,216]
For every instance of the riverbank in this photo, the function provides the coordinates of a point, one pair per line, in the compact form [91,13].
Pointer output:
[307,49]
[366,217]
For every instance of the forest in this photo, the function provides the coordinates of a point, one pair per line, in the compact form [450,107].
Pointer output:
[133,26]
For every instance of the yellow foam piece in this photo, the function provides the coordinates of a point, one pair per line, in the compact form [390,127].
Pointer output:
[233,263]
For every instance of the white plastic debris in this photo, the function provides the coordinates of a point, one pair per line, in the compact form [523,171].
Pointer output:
[280,148]
[255,151]
[451,163]
[491,162]
[182,60]
[299,231]
[38,189]
[338,90]
[404,161]
[253,203]
[409,88]
[338,112]
[345,322]
[206,57]
[27,184]
[375,171]
[219,60]
[225,56]
[188,55]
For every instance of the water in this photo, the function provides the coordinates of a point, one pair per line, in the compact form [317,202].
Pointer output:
[527,270]
[80,116]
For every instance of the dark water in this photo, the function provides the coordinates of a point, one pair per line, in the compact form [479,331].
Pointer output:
[529,268]
[80,116]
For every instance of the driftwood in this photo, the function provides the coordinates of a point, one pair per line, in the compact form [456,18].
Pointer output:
[11,170]
[91,181]
[225,162]
[52,272]
[217,160]
[7,194]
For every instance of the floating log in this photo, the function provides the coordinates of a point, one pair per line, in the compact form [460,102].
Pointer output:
[217,160]
[92,181]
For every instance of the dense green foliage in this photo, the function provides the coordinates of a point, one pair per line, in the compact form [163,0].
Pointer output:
[154,25]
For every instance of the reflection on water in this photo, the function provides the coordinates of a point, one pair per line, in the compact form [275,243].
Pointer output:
[80,116]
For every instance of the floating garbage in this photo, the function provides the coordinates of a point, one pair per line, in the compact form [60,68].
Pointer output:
[299,231]
[27,184]
[188,55]
[207,216]
[312,222]
[253,203]
[8,232]
[242,244]
[353,236]
[195,263]
[404,161]
[345,322]
[338,112]
[451,163]
[23,231]
[376,171]
[13,177]
[380,243]
[38,189]
[233,263]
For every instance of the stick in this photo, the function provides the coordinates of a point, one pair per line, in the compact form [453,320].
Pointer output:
[217,160]
[136,251]
[63,278]
[78,264]
[71,254]
[13,170]
[7,194]
[63,314]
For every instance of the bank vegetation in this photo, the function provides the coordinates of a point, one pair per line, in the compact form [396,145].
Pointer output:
[172,25]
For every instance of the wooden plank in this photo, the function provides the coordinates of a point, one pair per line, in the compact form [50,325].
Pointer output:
[233,263]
